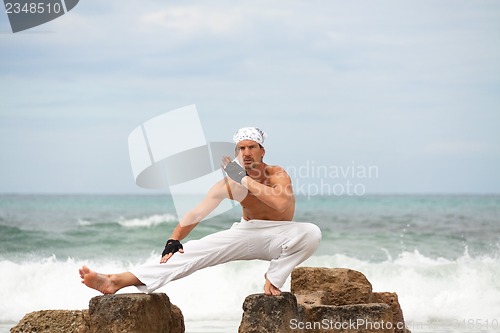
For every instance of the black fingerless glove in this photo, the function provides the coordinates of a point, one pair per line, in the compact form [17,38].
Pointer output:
[172,246]
[235,171]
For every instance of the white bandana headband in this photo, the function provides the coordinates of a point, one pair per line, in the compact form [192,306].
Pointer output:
[250,133]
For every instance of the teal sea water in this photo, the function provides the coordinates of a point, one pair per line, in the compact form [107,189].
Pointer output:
[440,253]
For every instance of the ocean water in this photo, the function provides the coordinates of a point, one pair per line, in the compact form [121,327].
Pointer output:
[439,253]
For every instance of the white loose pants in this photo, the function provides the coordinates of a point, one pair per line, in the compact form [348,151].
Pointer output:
[284,244]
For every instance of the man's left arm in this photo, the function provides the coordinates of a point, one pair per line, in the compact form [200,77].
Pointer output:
[277,195]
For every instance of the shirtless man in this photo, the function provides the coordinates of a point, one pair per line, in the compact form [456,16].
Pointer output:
[266,230]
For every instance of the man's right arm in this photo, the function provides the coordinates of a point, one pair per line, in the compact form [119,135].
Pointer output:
[215,195]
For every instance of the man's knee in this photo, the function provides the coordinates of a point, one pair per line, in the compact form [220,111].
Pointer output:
[313,233]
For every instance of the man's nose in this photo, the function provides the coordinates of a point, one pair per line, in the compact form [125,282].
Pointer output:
[245,152]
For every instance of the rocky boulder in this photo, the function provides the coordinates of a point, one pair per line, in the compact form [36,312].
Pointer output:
[150,313]
[53,321]
[328,300]
[124,313]
[268,314]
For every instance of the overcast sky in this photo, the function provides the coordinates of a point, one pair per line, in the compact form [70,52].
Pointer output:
[411,88]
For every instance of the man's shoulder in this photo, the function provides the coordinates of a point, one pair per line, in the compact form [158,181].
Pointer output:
[276,170]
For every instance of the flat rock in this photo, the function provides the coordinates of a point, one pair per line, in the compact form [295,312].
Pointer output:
[53,321]
[331,286]
[132,313]
[268,314]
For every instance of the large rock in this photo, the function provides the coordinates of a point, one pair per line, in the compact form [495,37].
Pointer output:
[331,286]
[128,313]
[328,300]
[123,313]
[268,314]
[326,293]
[53,321]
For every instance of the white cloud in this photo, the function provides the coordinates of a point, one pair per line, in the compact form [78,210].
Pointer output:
[457,149]
[193,19]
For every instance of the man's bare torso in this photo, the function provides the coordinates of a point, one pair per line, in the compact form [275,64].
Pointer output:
[255,209]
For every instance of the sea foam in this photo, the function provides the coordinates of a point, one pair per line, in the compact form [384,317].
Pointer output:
[147,221]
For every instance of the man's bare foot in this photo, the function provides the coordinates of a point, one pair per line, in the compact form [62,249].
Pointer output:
[100,282]
[270,289]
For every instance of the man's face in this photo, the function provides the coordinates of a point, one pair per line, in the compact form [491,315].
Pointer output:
[249,153]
